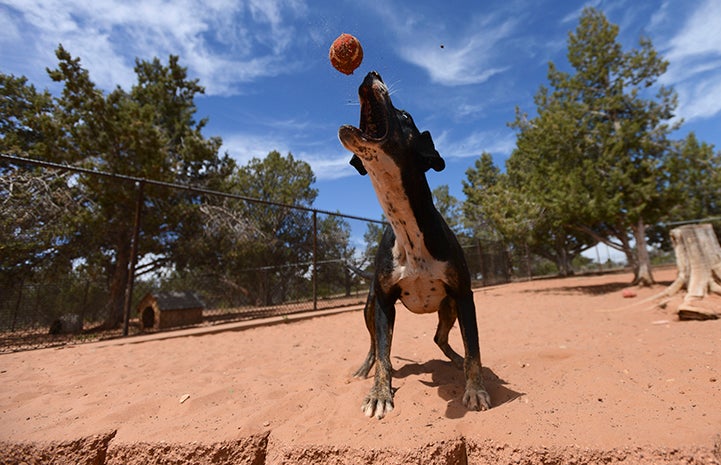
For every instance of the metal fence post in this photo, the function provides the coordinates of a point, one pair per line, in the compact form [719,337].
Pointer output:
[17,304]
[133,259]
[315,260]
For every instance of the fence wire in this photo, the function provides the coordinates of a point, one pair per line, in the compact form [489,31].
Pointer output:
[313,265]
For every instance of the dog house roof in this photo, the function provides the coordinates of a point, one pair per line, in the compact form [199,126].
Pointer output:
[177,300]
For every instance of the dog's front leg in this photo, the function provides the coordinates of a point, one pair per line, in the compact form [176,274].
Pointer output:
[379,401]
[369,316]
[475,396]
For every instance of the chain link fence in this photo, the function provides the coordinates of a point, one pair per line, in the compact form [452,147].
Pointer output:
[46,313]
[72,310]
[320,267]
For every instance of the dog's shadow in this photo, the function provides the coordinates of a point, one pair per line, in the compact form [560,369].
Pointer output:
[450,383]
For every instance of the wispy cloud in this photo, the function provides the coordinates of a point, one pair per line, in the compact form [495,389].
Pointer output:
[694,53]
[332,166]
[574,15]
[328,159]
[699,35]
[451,54]
[500,142]
[223,42]
[465,62]
[659,16]
[243,147]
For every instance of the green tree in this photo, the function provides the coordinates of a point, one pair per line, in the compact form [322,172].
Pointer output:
[148,131]
[32,201]
[605,137]
[26,115]
[546,174]
[695,170]
[261,252]
[478,187]
[372,238]
[510,207]
[334,254]
[694,188]
[449,207]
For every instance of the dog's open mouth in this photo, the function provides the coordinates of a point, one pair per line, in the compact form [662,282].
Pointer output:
[373,96]
[374,118]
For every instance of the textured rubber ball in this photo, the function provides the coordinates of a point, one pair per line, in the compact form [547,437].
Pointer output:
[346,53]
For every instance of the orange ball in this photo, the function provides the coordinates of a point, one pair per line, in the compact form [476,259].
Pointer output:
[346,53]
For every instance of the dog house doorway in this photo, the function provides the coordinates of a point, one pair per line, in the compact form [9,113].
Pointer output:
[148,317]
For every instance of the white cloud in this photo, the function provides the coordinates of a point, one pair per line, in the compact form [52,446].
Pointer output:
[494,142]
[334,166]
[467,64]
[8,30]
[245,146]
[700,99]
[327,161]
[659,16]
[694,54]
[223,42]
[468,58]
[699,36]
[575,15]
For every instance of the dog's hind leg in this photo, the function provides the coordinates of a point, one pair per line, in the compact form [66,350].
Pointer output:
[369,315]
[446,318]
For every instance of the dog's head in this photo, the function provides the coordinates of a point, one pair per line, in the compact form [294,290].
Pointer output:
[386,131]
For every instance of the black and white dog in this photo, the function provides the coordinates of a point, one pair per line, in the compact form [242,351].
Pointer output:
[419,259]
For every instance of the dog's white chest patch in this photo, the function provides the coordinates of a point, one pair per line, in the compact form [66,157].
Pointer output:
[422,295]
[421,278]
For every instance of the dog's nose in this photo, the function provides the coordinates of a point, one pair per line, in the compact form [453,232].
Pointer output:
[373,76]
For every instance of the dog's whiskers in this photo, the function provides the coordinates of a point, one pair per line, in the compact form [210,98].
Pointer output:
[392,87]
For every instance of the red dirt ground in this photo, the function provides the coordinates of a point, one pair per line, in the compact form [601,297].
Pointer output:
[575,375]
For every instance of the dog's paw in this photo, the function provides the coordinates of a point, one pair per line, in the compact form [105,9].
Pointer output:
[377,405]
[476,399]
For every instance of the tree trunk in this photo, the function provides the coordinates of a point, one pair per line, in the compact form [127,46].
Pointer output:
[118,283]
[631,256]
[642,270]
[563,263]
[348,281]
[698,258]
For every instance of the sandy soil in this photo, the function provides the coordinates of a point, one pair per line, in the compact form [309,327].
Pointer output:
[575,375]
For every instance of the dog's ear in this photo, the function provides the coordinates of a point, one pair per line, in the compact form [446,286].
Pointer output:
[429,156]
[358,164]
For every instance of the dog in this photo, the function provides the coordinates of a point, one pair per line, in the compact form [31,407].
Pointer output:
[419,259]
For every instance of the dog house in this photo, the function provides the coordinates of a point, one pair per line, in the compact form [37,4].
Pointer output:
[162,310]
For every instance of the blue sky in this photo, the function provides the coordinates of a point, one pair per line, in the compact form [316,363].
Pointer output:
[460,68]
